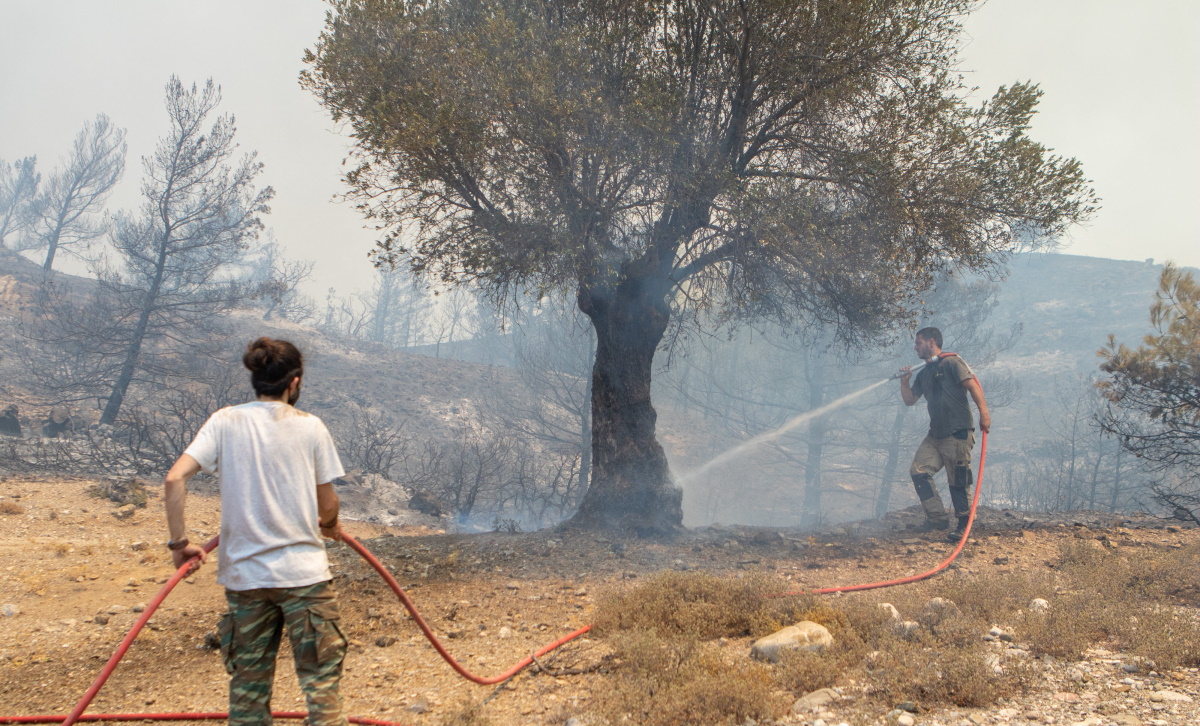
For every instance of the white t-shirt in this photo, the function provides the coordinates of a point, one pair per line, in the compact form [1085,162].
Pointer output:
[271,457]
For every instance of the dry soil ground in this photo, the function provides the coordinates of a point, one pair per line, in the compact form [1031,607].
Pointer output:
[495,598]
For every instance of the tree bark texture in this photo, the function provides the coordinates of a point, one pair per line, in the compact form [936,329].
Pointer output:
[631,485]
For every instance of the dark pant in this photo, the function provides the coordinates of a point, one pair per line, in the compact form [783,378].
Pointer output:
[250,636]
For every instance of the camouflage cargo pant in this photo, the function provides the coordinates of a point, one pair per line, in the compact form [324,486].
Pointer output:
[250,635]
[954,454]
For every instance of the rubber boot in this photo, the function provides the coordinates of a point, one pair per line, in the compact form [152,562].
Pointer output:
[955,536]
[959,495]
[935,512]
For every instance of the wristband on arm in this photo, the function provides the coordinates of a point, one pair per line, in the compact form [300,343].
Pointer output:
[177,544]
[331,525]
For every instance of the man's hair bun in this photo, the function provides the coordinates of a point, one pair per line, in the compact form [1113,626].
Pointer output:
[272,365]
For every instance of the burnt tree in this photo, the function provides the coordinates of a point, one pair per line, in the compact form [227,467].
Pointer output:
[808,160]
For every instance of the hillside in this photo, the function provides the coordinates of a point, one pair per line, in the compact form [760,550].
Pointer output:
[1066,305]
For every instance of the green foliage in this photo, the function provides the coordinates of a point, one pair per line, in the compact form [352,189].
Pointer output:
[1155,388]
[772,157]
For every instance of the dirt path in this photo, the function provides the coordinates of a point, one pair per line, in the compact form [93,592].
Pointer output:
[76,573]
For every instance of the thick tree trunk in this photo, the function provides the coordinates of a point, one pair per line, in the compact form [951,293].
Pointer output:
[631,485]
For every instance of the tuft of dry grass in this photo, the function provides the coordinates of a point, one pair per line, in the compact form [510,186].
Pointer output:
[664,682]
[7,507]
[698,605]
[468,713]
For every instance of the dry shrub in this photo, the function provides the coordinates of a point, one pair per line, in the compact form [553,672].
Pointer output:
[697,605]
[1123,597]
[995,598]
[665,682]
[121,491]
[803,671]
[468,713]
[1069,627]
[927,671]
[7,507]
[1167,636]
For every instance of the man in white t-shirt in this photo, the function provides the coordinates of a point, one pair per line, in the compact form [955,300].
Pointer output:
[276,466]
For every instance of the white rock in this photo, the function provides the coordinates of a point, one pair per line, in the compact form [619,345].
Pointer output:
[116,609]
[504,632]
[890,609]
[1038,605]
[10,610]
[905,719]
[1007,713]
[995,632]
[815,701]
[805,634]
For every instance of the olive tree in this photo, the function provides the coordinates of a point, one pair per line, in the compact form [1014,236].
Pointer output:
[811,160]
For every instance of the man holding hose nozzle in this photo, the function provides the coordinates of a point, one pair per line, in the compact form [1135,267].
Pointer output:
[945,381]
[277,465]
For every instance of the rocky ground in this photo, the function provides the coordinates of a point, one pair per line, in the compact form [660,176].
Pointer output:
[76,569]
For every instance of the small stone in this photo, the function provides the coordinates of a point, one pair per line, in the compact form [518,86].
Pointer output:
[1008,713]
[890,609]
[100,620]
[124,512]
[514,585]
[421,705]
[1126,719]
[504,633]
[910,706]
[1000,561]
[573,721]
[995,632]
[374,613]
[1161,696]
[1067,697]
[1130,667]
[803,635]
[384,641]
[812,702]
[116,609]
[1039,605]
[139,546]
[10,610]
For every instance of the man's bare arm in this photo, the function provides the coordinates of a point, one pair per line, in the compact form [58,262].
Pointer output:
[905,391]
[976,391]
[327,511]
[174,494]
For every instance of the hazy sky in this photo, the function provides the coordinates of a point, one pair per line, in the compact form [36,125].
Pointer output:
[1120,82]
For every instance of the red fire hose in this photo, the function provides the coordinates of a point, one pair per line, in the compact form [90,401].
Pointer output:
[78,715]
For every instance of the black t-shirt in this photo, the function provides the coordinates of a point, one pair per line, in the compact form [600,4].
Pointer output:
[941,382]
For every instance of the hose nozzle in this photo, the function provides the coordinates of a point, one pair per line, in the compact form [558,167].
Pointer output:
[914,369]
